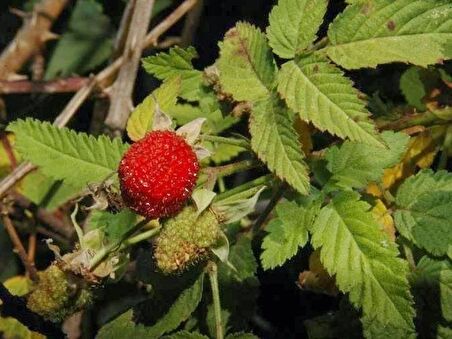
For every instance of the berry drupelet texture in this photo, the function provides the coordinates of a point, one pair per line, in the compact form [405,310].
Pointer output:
[58,294]
[185,239]
[158,174]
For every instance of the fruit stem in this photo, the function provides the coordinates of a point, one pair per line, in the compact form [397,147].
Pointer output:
[212,173]
[213,277]
[277,194]
[104,252]
[140,237]
[229,141]
[256,183]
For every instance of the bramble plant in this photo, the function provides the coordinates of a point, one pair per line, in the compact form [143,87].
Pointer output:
[353,184]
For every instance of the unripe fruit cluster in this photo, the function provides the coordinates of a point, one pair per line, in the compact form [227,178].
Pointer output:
[58,294]
[185,239]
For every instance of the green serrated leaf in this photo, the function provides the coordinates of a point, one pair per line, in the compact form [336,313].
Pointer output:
[383,31]
[413,88]
[47,192]
[356,164]
[435,276]
[177,63]
[140,120]
[241,335]
[321,94]
[242,259]
[287,232]
[424,202]
[294,24]
[364,261]
[86,44]
[114,225]
[185,335]
[375,330]
[63,154]
[276,143]
[183,307]
[246,64]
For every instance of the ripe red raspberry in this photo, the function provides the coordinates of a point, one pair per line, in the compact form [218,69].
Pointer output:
[158,174]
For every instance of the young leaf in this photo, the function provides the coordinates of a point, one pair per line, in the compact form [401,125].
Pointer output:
[241,335]
[242,258]
[320,93]
[124,327]
[293,25]
[364,261]
[423,216]
[436,276]
[114,225]
[47,192]
[286,233]
[140,120]
[356,164]
[185,335]
[384,31]
[276,143]
[177,62]
[85,45]
[413,88]
[63,154]
[246,64]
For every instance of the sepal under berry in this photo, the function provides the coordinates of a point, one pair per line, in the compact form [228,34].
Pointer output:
[185,239]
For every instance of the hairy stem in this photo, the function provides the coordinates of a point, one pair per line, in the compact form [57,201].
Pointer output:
[256,183]
[101,255]
[212,270]
[277,194]
[229,141]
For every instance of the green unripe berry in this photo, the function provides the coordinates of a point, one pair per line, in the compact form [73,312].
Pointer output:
[185,239]
[58,294]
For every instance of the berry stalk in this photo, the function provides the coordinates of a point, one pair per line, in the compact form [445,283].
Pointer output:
[212,270]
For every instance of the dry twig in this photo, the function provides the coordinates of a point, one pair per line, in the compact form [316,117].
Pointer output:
[17,243]
[102,80]
[121,96]
[31,37]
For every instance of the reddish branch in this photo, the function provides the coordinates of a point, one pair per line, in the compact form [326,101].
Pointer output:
[102,80]
[66,85]
[17,243]
[31,37]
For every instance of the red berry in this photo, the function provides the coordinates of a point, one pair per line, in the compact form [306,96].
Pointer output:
[158,174]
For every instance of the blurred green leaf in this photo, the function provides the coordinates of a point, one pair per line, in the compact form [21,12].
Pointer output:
[86,44]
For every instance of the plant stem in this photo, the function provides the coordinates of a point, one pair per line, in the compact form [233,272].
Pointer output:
[246,186]
[409,255]
[212,173]
[213,277]
[141,237]
[277,194]
[229,141]
[426,119]
[102,254]
[18,246]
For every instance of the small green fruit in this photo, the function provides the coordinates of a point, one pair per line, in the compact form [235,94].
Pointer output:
[185,239]
[58,294]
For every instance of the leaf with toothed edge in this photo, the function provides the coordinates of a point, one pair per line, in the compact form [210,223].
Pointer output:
[275,141]
[246,64]
[293,25]
[321,94]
